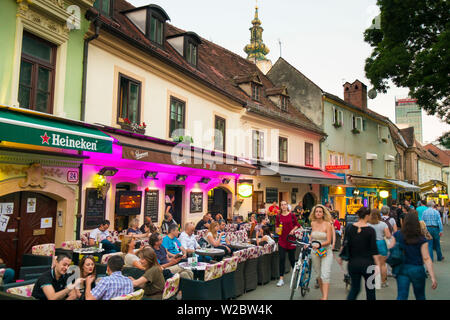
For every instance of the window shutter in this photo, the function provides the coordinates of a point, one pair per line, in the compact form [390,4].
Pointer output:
[334,115]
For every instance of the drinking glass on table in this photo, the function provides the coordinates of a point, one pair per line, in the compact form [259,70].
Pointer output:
[203,246]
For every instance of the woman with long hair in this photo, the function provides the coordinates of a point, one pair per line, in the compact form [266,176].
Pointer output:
[286,223]
[130,258]
[415,248]
[87,268]
[322,231]
[153,280]
[382,232]
[363,254]
[213,238]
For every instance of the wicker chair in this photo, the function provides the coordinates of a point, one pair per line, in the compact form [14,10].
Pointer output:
[239,280]
[137,295]
[228,278]
[265,265]
[210,289]
[251,268]
[171,287]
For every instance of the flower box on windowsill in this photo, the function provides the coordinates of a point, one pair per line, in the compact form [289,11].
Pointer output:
[133,127]
[183,139]
[337,125]
[355,131]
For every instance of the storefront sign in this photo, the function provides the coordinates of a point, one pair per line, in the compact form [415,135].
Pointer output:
[72,176]
[31,205]
[46,223]
[337,167]
[443,196]
[38,232]
[352,208]
[151,207]
[6,208]
[245,190]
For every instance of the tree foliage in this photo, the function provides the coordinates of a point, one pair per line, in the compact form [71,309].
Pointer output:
[411,47]
[444,140]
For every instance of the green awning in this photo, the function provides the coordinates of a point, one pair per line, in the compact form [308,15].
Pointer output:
[29,129]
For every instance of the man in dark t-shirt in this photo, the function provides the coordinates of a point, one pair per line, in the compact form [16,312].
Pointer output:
[204,223]
[53,284]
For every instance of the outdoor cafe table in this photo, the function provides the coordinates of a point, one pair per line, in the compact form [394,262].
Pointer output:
[212,252]
[96,252]
[199,270]
[241,245]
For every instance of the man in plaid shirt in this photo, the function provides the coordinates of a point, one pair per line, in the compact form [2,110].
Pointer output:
[110,287]
[432,219]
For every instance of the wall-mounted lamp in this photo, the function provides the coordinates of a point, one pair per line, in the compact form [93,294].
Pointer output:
[226,181]
[181,177]
[384,194]
[356,192]
[151,175]
[108,171]
[205,180]
[435,189]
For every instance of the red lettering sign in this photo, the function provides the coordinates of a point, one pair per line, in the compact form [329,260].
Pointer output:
[337,167]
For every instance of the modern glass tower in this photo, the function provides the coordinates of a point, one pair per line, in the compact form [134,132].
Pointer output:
[408,112]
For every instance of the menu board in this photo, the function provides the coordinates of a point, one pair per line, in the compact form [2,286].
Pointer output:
[151,208]
[271,195]
[95,209]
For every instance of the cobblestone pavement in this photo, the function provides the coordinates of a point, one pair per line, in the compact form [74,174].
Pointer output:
[337,288]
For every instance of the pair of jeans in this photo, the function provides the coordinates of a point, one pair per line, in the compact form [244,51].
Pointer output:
[356,272]
[411,274]
[291,255]
[108,246]
[435,243]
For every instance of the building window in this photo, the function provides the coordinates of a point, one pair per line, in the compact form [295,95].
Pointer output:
[388,169]
[256,91]
[369,167]
[338,117]
[258,144]
[104,6]
[283,149]
[191,53]
[156,30]
[358,165]
[37,74]
[219,136]
[350,163]
[309,158]
[129,99]
[284,103]
[177,117]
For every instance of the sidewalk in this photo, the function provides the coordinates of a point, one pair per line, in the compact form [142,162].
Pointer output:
[337,288]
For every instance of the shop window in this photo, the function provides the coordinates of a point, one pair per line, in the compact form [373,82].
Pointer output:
[283,149]
[129,99]
[37,74]
[177,116]
[309,157]
[219,136]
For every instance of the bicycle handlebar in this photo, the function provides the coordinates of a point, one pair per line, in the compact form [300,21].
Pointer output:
[299,243]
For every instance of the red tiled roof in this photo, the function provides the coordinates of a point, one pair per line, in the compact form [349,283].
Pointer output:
[442,155]
[216,67]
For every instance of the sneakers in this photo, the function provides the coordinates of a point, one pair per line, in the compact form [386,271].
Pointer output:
[280,283]
[317,286]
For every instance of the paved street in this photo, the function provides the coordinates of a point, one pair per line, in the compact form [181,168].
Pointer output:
[338,292]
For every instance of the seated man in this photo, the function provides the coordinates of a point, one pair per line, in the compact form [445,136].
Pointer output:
[188,241]
[168,221]
[172,244]
[102,235]
[204,223]
[52,284]
[112,286]
[239,222]
[170,263]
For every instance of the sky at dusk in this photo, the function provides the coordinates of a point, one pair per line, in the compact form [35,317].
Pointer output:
[322,39]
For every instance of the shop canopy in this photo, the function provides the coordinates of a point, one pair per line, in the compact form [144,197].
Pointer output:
[302,175]
[428,186]
[48,131]
[405,186]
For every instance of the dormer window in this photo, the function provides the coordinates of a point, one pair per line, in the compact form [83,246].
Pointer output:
[284,103]
[186,44]
[150,20]
[256,91]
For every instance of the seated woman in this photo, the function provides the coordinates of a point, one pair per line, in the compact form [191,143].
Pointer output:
[266,237]
[134,231]
[153,280]
[218,217]
[213,238]
[87,268]
[8,275]
[130,258]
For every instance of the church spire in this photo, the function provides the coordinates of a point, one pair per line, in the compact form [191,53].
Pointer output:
[256,50]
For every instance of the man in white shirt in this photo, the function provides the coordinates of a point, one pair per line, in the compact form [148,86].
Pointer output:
[102,235]
[188,241]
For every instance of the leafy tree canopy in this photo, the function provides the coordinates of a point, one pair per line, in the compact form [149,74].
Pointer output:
[411,47]
[444,140]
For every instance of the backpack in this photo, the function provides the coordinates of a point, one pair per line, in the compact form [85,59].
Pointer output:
[396,255]
[391,227]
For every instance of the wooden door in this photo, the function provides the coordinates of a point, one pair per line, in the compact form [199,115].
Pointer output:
[9,238]
[257,200]
[31,227]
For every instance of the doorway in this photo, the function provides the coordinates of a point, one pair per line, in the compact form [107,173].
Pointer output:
[32,219]
[219,202]
[177,192]
[309,201]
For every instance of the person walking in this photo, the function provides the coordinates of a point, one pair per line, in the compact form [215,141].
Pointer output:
[363,253]
[421,207]
[445,216]
[286,224]
[433,221]
[416,255]
[322,231]
[382,231]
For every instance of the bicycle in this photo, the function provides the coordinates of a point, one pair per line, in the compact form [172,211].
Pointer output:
[301,275]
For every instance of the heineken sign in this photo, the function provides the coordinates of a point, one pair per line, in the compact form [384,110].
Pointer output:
[27,129]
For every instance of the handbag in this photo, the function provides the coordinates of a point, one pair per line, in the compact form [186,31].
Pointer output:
[322,252]
[396,255]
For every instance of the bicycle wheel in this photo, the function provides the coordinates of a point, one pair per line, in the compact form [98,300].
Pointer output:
[306,277]
[294,281]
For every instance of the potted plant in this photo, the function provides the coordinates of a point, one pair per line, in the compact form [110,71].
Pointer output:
[183,139]
[355,131]
[337,124]
[132,126]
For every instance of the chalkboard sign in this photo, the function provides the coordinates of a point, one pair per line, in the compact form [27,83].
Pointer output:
[151,208]
[271,195]
[95,209]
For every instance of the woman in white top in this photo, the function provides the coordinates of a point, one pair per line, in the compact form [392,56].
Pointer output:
[266,237]
[322,230]
[213,238]
[130,258]
[382,231]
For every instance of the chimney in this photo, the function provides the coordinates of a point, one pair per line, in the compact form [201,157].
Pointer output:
[356,94]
